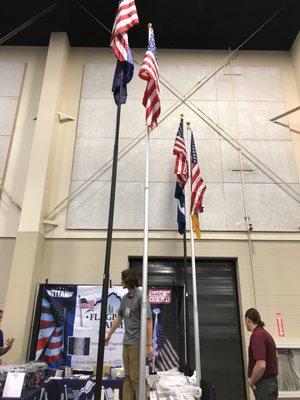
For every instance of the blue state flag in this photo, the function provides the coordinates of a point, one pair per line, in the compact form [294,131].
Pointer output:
[123,75]
[179,195]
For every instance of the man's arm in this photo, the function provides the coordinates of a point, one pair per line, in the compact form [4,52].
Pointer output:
[114,326]
[8,343]
[257,373]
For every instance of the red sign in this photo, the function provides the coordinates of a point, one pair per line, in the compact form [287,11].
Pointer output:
[160,296]
[279,324]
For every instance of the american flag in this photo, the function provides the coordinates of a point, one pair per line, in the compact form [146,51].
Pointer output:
[198,185]
[126,18]
[149,72]
[50,339]
[180,168]
[198,188]
[87,304]
[164,353]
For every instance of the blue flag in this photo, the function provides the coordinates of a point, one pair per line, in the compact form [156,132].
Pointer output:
[179,195]
[123,75]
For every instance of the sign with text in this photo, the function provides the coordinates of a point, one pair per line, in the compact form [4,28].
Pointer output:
[160,296]
[14,384]
[279,320]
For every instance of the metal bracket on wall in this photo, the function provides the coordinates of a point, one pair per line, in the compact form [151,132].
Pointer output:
[275,119]
[64,117]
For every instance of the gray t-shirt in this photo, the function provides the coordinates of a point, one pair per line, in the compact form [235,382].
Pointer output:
[130,311]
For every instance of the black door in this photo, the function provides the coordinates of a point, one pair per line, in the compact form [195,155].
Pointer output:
[219,321]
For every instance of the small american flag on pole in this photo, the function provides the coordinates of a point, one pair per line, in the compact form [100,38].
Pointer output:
[198,188]
[180,167]
[87,304]
[149,72]
[125,19]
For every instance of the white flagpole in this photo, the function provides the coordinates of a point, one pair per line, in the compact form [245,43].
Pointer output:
[194,277]
[142,372]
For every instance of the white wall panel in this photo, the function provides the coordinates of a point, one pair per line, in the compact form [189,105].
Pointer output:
[271,208]
[259,98]
[11,76]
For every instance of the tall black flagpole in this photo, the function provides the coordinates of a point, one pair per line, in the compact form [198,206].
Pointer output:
[187,317]
[106,277]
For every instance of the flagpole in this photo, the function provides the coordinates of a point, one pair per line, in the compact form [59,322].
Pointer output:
[186,293]
[106,277]
[142,372]
[194,277]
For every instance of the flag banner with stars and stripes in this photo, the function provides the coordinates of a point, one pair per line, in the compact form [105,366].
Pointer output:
[149,72]
[165,356]
[56,324]
[198,189]
[126,18]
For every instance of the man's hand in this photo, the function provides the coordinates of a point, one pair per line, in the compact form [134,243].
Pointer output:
[149,351]
[251,384]
[9,343]
[107,339]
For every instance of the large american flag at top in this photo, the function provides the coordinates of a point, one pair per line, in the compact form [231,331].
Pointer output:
[198,186]
[126,18]
[180,167]
[149,72]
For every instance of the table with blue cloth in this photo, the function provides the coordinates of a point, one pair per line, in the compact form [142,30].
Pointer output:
[75,388]
[27,394]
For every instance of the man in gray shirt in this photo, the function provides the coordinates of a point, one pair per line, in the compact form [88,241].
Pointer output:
[130,311]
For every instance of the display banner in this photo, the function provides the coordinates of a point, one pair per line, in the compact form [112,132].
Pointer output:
[280,328]
[164,307]
[69,326]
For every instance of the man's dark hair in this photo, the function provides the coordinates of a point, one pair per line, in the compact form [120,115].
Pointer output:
[254,316]
[1,311]
[130,278]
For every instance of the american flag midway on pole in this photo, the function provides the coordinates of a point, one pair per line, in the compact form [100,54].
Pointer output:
[126,18]
[181,172]
[149,72]
[198,189]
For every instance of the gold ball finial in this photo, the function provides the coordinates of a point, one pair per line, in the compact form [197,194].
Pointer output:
[188,124]
[181,115]
[149,25]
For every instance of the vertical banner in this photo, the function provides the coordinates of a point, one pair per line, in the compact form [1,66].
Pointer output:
[84,343]
[280,328]
[164,308]
[56,324]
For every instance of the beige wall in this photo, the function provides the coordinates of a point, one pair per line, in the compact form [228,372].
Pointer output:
[6,254]
[78,256]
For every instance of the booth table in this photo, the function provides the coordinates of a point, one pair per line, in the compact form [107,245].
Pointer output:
[76,388]
[27,394]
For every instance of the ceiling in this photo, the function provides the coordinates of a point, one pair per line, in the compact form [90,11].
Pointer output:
[189,24]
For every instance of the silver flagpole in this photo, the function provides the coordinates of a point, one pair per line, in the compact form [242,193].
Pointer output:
[142,385]
[194,277]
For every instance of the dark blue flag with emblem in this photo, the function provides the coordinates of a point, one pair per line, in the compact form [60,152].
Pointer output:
[179,195]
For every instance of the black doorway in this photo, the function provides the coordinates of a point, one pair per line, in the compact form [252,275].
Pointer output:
[219,321]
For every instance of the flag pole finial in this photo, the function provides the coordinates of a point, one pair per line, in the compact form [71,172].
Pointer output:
[149,25]
[181,115]
[188,125]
